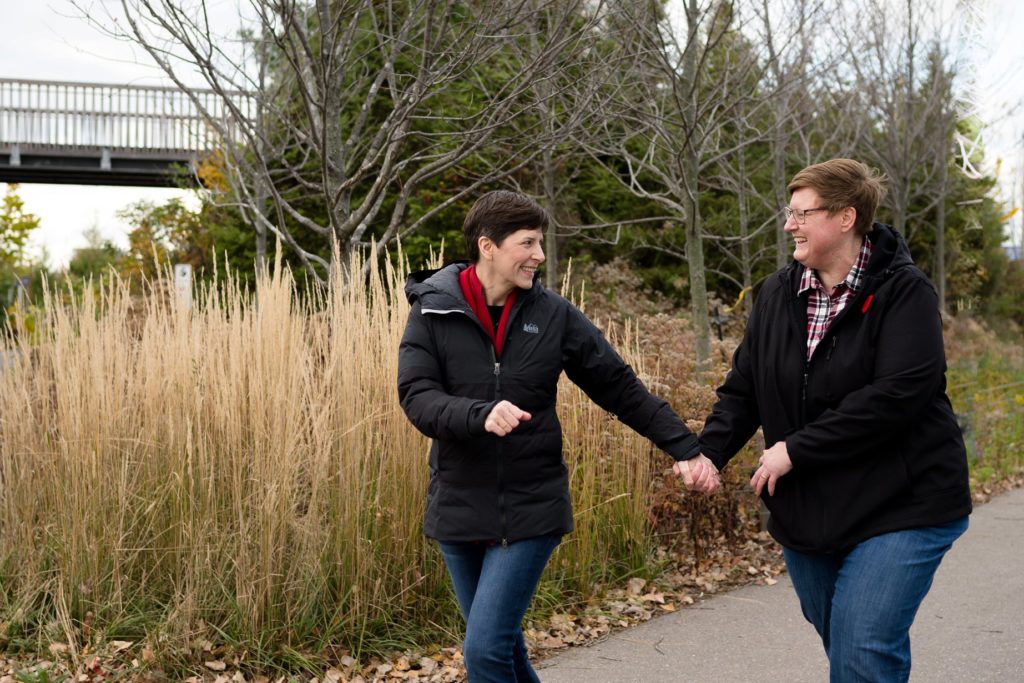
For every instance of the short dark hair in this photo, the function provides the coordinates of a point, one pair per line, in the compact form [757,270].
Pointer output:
[844,182]
[497,215]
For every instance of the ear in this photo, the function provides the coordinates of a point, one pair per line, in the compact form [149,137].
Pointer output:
[848,218]
[486,246]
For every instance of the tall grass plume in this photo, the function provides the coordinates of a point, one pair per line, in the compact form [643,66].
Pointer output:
[240,470]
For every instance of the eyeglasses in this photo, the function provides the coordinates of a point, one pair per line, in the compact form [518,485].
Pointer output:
[800,216]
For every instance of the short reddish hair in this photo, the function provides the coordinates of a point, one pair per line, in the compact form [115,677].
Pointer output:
[844,182]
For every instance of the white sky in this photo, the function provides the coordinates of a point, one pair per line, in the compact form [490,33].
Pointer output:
[46,39]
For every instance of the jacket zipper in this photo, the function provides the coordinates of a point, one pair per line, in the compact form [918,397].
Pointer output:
[803,392]
[502,517]
[502,513]
[795,307]
[833,340]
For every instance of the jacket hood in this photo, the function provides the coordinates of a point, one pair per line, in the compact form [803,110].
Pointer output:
[890,251]
[438,287]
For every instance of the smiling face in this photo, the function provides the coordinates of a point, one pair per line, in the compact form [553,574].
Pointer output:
[513,263]
[825,242]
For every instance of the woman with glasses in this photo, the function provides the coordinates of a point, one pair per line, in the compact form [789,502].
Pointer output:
[478,373]
[865,475]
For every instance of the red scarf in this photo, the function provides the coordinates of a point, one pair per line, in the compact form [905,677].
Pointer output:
[474,293]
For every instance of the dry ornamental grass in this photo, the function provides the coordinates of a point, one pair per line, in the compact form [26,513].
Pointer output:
[240,471]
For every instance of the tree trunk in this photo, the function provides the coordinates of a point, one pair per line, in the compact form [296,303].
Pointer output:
[551,240]
[779,183]
[698,282]
[262,193]
[940,238]
[746,262]
[691,174]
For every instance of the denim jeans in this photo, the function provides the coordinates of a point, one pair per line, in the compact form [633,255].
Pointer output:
[494,586]
[862,602]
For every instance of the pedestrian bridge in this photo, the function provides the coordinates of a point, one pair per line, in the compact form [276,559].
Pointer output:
[104,134]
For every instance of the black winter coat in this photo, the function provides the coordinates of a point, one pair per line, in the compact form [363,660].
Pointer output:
[871,433]
[486,488]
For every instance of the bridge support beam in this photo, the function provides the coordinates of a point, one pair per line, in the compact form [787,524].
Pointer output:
[95,167]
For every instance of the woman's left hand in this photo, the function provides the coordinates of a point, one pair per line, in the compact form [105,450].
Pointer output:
[699,474]
[775,464]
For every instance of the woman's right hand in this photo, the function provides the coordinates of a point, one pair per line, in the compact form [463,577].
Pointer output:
[504,417]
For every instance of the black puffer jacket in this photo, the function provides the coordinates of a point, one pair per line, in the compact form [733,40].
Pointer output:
[871,433]
[483,487]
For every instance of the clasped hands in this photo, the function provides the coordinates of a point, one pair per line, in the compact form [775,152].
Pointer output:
[700,474]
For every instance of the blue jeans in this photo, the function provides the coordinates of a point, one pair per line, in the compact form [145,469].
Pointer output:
[494,586]
[862,602]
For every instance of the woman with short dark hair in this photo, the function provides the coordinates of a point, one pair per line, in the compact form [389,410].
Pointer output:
[478,372]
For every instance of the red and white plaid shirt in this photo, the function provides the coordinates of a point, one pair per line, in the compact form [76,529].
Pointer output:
[822,306]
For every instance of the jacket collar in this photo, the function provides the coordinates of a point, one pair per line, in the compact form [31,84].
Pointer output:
[438,290]
[889,253]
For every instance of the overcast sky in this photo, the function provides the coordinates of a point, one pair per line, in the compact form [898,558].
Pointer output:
[48,40]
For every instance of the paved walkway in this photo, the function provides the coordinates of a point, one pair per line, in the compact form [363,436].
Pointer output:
[970,627]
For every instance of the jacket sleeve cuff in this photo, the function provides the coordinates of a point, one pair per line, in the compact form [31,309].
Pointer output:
[477,417]
[793,451]
[684,448]
[716,458]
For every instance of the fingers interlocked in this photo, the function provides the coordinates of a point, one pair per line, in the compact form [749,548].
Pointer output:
[698,474]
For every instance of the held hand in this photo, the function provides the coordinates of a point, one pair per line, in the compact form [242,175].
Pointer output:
[504,417]
[699,474]
[775,464]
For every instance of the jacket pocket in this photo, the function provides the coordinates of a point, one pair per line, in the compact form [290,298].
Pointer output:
[468,463]
[854,496]
[796,511]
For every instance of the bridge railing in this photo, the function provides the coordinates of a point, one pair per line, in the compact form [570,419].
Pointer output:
[90,116]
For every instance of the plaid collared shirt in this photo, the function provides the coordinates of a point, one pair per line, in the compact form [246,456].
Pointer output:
[822,306]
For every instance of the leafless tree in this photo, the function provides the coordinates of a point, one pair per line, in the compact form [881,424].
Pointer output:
[569,97]
[353,106]
[756,216]
[800,60]
[904,99]
[903,108]
[795,61]
[678,91]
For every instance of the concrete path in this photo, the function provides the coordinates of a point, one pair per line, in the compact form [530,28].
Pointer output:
[970,627]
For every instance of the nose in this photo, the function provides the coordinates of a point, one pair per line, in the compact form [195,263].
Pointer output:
[538,253]
[790,224]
